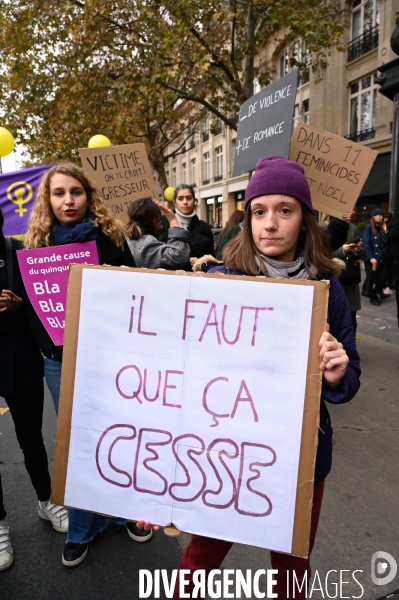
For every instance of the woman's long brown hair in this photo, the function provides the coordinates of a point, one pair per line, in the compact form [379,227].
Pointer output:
[41,218]
[240,253]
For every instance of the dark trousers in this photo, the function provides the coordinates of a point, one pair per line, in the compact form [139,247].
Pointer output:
[207,553]
[26,408]
[354,321]
[375,281]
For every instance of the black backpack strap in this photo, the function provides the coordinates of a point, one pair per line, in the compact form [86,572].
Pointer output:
[10,273]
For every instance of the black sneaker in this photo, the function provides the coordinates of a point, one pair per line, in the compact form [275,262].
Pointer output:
[138,535]
[375,302]
[74,554]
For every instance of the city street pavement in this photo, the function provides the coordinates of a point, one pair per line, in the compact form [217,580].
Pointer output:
[359,514]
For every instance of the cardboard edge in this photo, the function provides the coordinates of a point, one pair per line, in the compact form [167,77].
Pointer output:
[310,425]
[67,383]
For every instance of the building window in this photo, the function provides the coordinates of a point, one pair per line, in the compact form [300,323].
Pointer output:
[365,16]
[193,171]
[362,110]
[174,177]
[365,27]
[219,163]
[284,64]
[214,211]
[296,115]
[305,112]
[206,167]
[205,129]
[184,172]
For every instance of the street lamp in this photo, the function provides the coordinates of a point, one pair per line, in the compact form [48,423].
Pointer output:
[389,81]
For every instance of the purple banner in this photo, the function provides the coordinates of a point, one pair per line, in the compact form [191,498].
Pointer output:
[17,197]
[45,275]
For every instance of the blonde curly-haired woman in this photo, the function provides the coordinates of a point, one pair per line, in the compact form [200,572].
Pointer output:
[68,209]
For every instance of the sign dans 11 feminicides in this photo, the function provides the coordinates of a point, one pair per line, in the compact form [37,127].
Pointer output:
[265,124]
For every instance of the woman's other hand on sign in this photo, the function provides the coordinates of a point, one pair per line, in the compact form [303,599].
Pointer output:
[193,259]
[169,214]
[9,301]
[333,358]
[146,526]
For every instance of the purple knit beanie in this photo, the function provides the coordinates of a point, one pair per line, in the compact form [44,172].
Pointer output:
[277,175]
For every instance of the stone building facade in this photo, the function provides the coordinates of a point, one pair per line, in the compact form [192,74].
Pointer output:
[342,99]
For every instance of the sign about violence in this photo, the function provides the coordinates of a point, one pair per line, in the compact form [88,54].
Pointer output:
[265,124]
[199,411]
[336,168]
[121,173]
[45,275]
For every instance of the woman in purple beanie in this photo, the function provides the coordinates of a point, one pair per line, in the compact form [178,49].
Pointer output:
[281,238]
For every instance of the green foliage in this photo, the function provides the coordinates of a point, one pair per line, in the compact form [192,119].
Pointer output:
[142,70]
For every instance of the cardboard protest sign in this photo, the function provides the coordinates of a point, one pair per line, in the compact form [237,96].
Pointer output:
[199,414]
[17,197]
[335,167]
[45,275]
[265,124]
[121,173]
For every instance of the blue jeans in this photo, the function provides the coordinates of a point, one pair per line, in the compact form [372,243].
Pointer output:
[83,525]
[52,373]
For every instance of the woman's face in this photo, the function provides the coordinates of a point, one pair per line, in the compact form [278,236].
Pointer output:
[185,202]
[68,199]
[276,222]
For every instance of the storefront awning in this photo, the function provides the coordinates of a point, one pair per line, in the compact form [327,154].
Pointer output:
[378,180]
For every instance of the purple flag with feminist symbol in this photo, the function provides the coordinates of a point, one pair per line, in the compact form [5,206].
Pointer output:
[17,197]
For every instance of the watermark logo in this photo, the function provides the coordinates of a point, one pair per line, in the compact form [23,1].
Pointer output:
[383,568]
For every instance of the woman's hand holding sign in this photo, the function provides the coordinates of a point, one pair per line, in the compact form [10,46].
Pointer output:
[333,358]
[9,301]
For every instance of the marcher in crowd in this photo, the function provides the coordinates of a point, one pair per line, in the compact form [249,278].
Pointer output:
[374,256]
[282,239]
[21,384]
[391,231]
[69,209]
[201,238]
[350,277]
[233,226]
[335,229]
[143,231]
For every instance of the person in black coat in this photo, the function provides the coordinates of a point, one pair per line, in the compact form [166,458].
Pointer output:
[21,384]
[68,209]
[201,238]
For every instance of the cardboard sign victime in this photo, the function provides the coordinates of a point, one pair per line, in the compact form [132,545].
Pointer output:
[121,173]
[45,275]
[335,167]
[201,413]
[265,124]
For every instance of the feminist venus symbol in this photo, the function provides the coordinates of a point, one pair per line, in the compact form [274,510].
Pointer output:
[19,189]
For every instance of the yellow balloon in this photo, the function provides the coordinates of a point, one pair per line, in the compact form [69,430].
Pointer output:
[6,142]
[98,141]
[169,193]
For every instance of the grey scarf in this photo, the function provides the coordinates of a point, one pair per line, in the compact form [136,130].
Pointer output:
[184,220]
[286,270]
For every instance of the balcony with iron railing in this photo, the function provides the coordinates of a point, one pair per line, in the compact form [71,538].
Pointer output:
[361,136]
[218,129]
[205,136]
[218,178]
[364,43]
[205,181]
